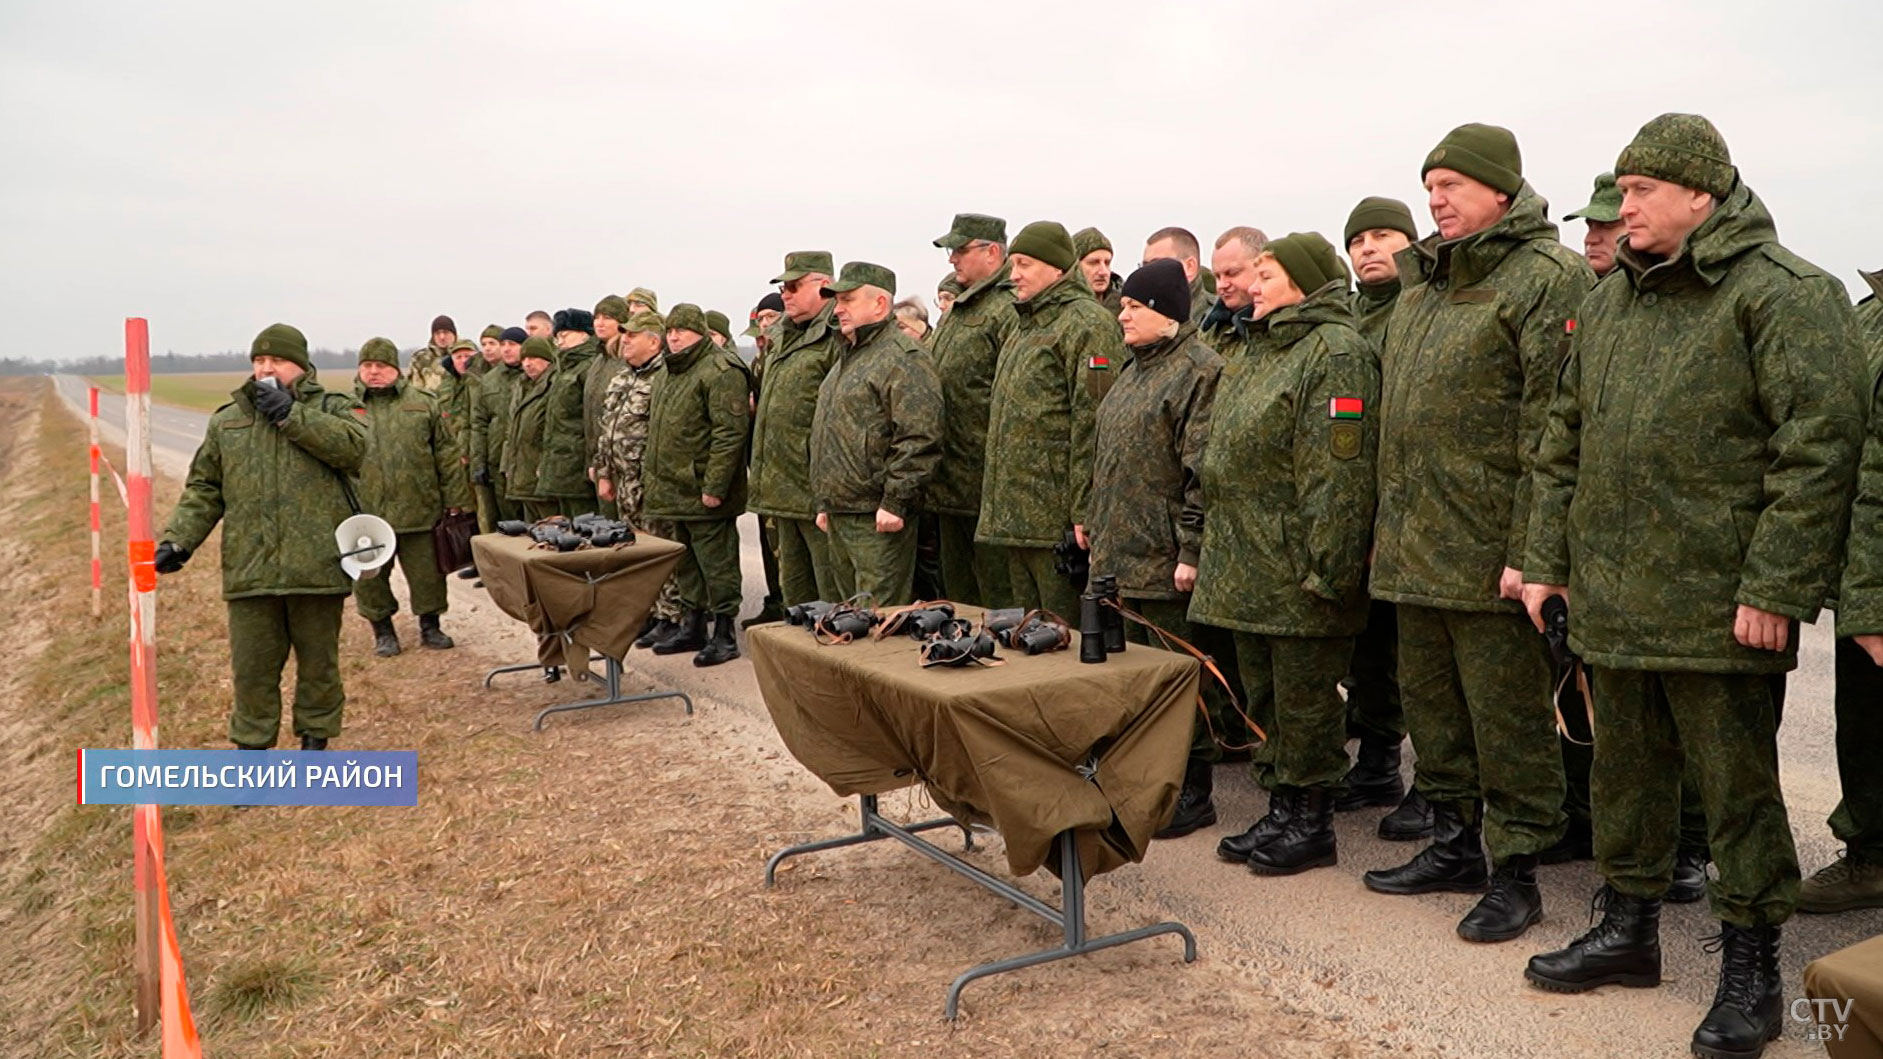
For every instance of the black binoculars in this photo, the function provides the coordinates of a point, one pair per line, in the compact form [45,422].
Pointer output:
[1101,623]
[956,644]
[806,613]
[921,624]
[1071,561]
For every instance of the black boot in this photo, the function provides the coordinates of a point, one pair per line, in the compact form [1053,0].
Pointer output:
[430,635]
[313,742]
[771,612]
[1454,861]
[656,630]
[385,640]
[1308,839]
[1689,883]
[723,647]
[469,573]
[1623,949]
[1236,848]
[1513,904]
[1749,1005]
[1194,807]
[1410,822]
[1374,778]
[1577,843]
[689,634]
[552,674]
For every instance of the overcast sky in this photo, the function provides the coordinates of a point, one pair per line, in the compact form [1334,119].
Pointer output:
[357,168]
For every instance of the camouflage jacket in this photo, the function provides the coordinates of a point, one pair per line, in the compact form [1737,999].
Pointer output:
[426,368]
[523,452]
[277,490]
[1148,435]
[794,367]
[1223,329]
[624,427]
[1288,476]
[563,467]
[601,372]
[1061,353]
[1702,449]
[412,470]
[1467,370]
[1860,601]
[1373,307]
[699,420]
[966,344]
[876,435]
[490,417]
[456,394]
[1114,297]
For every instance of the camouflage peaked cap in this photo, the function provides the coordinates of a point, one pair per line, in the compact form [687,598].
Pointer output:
[1086,240]
[862,274]
[1682,149]
[539,347]
[802,263]
[1604,205]
[687,317]
[379,351]
[644,323]
[282,341]
[971,226]
[613,307]
[645,297]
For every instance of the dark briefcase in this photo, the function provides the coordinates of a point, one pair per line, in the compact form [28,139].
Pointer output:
[451,540]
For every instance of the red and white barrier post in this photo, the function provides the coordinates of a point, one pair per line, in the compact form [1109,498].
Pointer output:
[98,566]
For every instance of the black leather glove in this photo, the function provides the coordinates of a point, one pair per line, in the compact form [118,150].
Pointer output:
[481,476]
[171,558]
[273,403]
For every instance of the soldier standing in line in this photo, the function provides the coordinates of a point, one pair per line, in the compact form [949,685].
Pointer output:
[523,451]
[490,426]
[1095,260]
[759,324]
[427,363]
[412,475]
[272,466]
[617,465]
[1224,326]
[642,300]
[946,292]
[563,474]
[456,395]
[1181,245]
[611,313]
[489,381]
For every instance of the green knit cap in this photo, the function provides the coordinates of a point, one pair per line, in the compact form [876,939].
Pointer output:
[1604,205]
[1682,149]
[1377,211]
[1046,241]
[952,284]
[645,297]
[1086,240]
[687,317]
[493,331]
[1486,153]
[282,341]
[614,307]
[644,323]
[379,351]
[719,323]
[539,347]
[1308,258]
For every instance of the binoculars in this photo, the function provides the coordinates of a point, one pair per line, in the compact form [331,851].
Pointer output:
[833,619]
[806,614]
[1101,623]
[566,535]
[956,643]
[1034,635]
[1071,561]
[921,624]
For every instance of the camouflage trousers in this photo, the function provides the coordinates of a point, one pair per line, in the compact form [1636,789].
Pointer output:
[1579,757]
[1476,688]
[1724,725]
[1373,709]
[628,503]
[803,562]
[1291,687]
[709,575]
[1858,819]
[262,632]
[970,572]
[1032,583]
[865,561]
[1218,725]
[768,557]
[372,596]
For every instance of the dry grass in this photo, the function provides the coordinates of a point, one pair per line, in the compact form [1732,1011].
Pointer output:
[592,891]
[200,391]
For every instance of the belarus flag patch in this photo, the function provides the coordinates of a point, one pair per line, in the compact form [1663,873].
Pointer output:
[1345,408]
[1098,363]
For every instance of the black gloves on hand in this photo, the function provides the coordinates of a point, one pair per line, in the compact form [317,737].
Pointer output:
[273,403]
[481,476]
[171,558]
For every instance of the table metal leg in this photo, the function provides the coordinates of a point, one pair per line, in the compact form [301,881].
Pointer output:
[533,667]
[612,683]
[872,827]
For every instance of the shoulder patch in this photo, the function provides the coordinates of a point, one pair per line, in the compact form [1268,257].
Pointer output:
[1789,261]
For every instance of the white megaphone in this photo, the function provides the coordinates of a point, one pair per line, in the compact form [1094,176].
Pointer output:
[366,544]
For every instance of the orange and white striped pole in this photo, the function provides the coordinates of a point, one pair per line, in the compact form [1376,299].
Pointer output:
[161,991]
[98,565]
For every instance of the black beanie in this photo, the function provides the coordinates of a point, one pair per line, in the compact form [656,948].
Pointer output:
[443,323]
[514,334]
[1160,286]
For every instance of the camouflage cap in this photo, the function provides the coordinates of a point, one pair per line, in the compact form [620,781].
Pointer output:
[1086,240]
[1604,205]
[862,274]
[379,351]
[645,297]
[971,226]
[802,263]
[465,344]
[687,317]
[283,342]
[952,284]
[540,348]
[718,323]
[613,307]
[644,323]
[493,331]
[1682,149]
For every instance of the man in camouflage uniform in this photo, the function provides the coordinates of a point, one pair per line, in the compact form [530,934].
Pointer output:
[875,439]
[946,292]
[563,473]
[1224,327]
[759,324]
[529,417]
[489,372]
[616,468]
[1856,879]
[1059,354]
[798,354]
[611,313]
[412,475]
[1603,223]
[642,300]
[1692,492]
[428,363]
[1095,259]
[1377,230]
[496,401]
[693,476]
[457,395]
[1180,244]
[966,345]
[1469,362]
[272,468]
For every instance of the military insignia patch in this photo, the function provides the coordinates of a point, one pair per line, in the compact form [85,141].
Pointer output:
[1098,363]
[1343,439]
[1346,408]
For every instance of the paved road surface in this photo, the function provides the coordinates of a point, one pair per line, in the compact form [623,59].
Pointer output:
[1391,967]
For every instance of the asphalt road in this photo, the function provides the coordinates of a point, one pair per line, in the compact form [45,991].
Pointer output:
[1389,967]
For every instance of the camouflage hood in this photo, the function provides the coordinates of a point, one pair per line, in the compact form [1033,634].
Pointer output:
[1470,258]
[1285,326]
[1739,224]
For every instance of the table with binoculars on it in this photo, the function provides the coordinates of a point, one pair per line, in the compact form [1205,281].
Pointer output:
[1009,722]
[583,584]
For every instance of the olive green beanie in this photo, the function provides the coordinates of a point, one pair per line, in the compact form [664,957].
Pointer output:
[493,331]
[539,347]
[1086,240]
[1487,154]
[281,341]
[1377,211]
[613,307]
[719,323]
[1682,149]
[379,351]
[952,284]
[1046,241]
[1308,258]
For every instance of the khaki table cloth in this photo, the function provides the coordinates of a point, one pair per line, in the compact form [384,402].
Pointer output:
[1855,977]
[595,598]
[1034,747]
